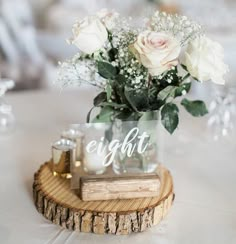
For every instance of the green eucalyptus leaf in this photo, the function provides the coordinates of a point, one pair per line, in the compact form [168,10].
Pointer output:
[114,105]
[104,115]
[169,117]
[120,79]
[101,97]
[183,88]
[137,100]
[168,91]
[120,94]
[106,70]
[156,104]
[196,108]
[129,95]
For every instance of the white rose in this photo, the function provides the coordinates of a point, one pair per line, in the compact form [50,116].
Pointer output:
[89,35]
[204,60]
[156,51]
[108,18]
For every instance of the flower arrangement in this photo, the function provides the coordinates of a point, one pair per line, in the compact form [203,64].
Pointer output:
[142,69]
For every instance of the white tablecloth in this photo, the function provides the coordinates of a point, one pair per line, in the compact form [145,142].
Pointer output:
[204,174]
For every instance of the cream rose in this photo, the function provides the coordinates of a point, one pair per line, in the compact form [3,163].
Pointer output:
[89,35]
[156,51]
[108,18]
[204,60]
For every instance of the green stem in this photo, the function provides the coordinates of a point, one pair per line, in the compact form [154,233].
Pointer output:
[185,77]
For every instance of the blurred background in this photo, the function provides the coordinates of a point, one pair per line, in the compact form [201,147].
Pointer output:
[33,33]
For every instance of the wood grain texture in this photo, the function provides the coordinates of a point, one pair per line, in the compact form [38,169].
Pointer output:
[57,202]
[104,187]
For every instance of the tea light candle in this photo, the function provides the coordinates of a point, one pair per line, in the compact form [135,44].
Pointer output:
[93,162]
[76,136]
[94,149]
[63,155]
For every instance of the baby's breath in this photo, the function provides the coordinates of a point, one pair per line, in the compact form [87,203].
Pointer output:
[135,74]
[179,26]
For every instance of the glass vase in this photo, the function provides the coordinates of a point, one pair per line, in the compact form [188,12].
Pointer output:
[139,162]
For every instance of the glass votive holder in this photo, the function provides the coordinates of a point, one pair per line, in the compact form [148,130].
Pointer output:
[76,136]
[94,160]
[63,155]
[7,118]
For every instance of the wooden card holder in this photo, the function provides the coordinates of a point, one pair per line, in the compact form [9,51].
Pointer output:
[127,186]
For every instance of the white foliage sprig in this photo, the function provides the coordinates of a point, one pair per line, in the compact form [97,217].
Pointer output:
[79,70]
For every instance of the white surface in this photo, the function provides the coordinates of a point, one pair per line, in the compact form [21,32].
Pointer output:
[204,175]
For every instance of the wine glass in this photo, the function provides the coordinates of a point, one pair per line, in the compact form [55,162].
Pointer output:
[222,112]
[7,118]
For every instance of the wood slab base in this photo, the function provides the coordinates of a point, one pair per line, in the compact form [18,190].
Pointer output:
[58,203]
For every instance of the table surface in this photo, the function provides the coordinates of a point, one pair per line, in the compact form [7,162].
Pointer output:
[204,174]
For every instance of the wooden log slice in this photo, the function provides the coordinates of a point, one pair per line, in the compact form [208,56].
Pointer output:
[58,203]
